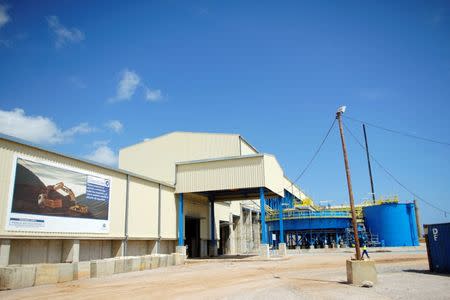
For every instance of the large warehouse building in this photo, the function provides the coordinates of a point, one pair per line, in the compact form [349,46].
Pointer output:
[199,190]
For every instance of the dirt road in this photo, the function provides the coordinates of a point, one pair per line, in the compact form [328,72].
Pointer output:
[402,275]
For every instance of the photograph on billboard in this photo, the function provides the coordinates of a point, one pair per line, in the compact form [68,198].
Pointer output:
[54,198]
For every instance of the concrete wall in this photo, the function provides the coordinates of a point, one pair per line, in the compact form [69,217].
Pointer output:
[97,249]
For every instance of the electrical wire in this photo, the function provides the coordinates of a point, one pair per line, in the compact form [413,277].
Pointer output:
[399,132]
[312,158]
[393,177]
[315,154]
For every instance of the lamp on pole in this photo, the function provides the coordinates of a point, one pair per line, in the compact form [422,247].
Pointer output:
[339,113]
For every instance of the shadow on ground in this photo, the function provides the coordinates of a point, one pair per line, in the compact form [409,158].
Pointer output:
[427,272]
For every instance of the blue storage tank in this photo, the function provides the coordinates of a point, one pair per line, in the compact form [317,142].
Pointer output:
[438,247]
[395,223]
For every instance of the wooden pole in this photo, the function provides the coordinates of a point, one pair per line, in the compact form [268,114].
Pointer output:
[349,185]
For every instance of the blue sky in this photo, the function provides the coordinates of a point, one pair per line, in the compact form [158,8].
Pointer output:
[89,78]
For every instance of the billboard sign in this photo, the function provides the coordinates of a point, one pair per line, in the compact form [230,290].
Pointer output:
[50,197]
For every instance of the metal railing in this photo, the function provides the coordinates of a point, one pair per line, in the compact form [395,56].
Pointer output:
[309,215]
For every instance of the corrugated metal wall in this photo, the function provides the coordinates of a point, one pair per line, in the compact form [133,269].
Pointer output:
[143,199]
[118,189]
[143,209]
[274,177]
[220,175]
[156,158]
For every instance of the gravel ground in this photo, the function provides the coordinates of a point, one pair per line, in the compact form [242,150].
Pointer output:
[401,275]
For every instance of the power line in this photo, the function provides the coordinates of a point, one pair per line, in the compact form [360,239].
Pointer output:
[400,132]
[315,154]
[312,158]
[393,177]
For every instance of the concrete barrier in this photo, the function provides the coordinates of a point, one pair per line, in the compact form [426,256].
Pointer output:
[46,274]
[171,259]
[264,251]
[119,265]
[102,267]
[146,262]
[163,260]
[361,270]
[155,261]
[17,277]
[81,270]
[180,259]
[132,263]
[65,272]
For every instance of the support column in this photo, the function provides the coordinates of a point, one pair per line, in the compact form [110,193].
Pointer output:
[213,241]
[264,247]
[282,245]
[181,248]
[5,248]
[249,231]
[71,251]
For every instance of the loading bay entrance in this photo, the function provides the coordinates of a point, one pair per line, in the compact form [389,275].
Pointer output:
[192,234]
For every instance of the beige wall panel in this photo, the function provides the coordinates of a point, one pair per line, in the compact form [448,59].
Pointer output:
[169,210]
[143,209]
[117,201]
[293,189]
[274,177]
[235,207]
[217,175]
[246,149]
[222,213]
[156,158]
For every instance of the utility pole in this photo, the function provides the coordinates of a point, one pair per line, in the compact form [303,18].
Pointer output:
[368,162]
[339,113]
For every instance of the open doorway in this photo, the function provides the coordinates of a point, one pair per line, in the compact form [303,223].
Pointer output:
[192,233]
[224,238]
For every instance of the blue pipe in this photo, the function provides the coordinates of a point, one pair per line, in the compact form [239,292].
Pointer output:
[262,204]
[180,220]
[280,209]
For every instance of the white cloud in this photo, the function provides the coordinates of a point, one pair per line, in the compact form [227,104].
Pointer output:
[82,128]
[115,125]
[127,86]
[37,129]
[152,95]
[63,34]
[103,154]
[4,17]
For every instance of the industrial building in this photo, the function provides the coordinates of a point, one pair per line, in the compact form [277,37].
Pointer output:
[201,193]
[197,189]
